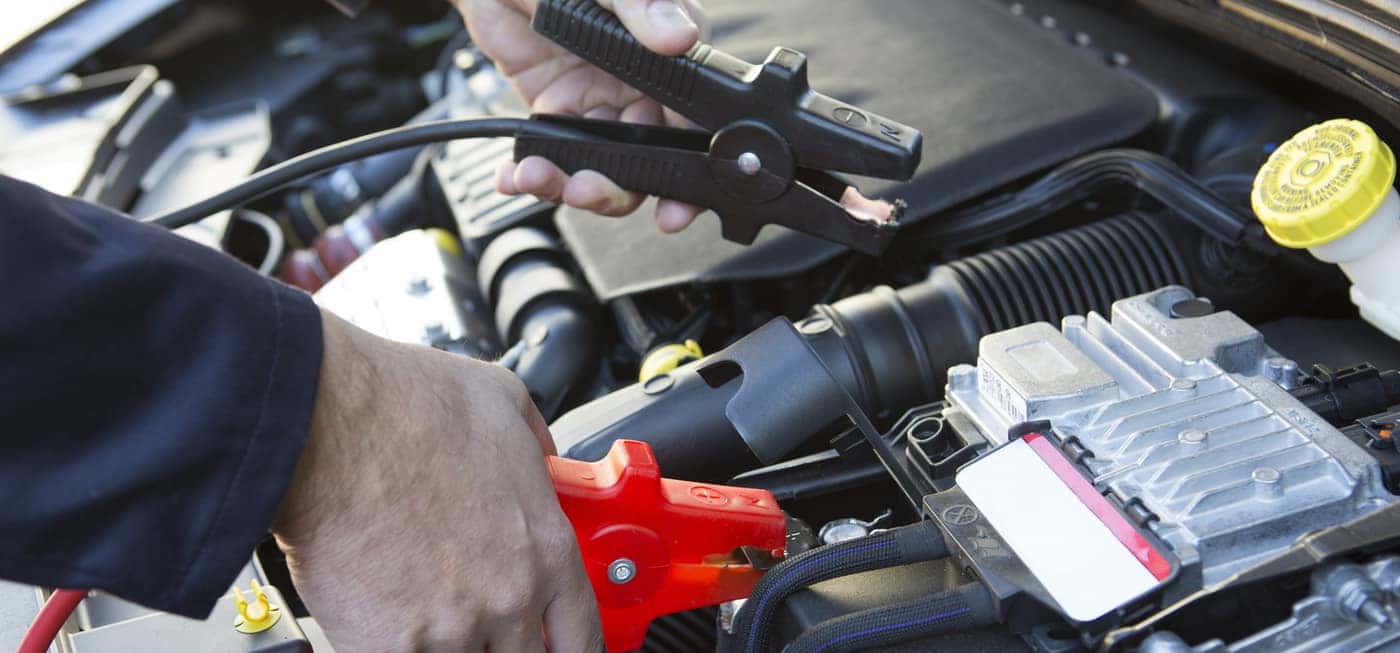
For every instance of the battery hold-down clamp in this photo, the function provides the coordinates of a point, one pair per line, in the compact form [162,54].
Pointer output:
[654,546]
[767,144]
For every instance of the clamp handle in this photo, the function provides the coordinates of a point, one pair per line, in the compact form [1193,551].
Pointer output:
[692,166]
[654,546]
[715,89]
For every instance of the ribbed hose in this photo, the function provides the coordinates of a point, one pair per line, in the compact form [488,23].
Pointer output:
[900,546]
[968,606]
[1068,273]
[1151,173]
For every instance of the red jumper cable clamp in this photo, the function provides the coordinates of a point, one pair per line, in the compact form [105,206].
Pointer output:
[654,546]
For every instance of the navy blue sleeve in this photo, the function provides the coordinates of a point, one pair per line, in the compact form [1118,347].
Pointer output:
[155,397]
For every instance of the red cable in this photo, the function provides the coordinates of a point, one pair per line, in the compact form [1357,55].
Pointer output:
[50,619]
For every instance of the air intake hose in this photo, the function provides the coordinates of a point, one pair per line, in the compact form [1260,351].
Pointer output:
[543,310]
[891,348]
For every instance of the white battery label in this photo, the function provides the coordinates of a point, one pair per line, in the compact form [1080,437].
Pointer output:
[1086,555]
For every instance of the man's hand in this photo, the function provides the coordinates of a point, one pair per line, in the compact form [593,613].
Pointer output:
[421,515]
[554,81]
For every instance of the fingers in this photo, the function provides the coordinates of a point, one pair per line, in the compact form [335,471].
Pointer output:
[673,216]
[586,190]
[534,175]
[571,620]
[663,26]
[591,191]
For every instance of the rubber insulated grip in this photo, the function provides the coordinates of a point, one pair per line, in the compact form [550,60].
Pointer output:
[629,168]
[593,33]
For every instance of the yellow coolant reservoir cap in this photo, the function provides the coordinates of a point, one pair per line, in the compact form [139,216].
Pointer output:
[1322,183]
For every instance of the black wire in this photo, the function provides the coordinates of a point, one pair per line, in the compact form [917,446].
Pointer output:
[344,152]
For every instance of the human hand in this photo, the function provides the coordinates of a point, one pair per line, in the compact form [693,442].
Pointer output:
[554,81]
[421,516]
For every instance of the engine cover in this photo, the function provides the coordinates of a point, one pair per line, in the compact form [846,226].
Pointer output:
[1180,416]
[997,95]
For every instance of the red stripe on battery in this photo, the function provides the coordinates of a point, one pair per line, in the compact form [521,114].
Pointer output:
[1121,528]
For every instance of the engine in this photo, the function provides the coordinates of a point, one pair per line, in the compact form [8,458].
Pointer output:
[1086,394]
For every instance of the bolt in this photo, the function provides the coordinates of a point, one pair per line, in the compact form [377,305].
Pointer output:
[1267,483]
[434,329]
[843,530]
[622,571]
[962,377]
[1120,59]
[1192,436]
[1083,40]
[749,163]
[1048,22]
[1282,371]
[1375,613]
[1354,594]
[419,286]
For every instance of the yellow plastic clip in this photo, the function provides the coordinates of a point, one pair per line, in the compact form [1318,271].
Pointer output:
[257,616]
[667,358]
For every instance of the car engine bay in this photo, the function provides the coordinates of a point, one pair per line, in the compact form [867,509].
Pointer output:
[1084,392]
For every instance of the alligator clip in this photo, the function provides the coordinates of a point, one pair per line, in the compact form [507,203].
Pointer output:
[653,546]
[768,138]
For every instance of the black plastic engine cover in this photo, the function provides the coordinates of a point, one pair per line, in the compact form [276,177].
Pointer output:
[996,95]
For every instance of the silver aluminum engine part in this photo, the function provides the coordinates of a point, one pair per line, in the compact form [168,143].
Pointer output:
[409,289]
[1352,609]
[1183,415]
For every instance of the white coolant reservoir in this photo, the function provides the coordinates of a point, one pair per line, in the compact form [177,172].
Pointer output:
[1330,189]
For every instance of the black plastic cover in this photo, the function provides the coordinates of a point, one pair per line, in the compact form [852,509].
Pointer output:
[996,96]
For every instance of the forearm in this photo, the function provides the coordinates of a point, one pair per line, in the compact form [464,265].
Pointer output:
[156,394]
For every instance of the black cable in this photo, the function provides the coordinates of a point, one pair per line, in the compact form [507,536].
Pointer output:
[1153,174]
[344,152]
[961,608]
[753,625]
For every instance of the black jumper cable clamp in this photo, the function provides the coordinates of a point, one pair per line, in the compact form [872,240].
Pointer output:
[768,138]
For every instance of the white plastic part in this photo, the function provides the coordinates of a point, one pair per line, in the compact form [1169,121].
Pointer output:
[1073,554]
[1370,257]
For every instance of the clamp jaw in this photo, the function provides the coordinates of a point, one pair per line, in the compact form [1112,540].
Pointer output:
[653,546]
[768,138]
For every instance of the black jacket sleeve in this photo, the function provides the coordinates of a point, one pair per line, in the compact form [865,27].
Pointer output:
[154,398]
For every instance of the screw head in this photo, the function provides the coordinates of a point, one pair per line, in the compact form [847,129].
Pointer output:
[749,163]
[622,571]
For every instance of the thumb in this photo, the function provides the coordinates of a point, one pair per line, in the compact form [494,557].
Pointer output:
[664,26]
